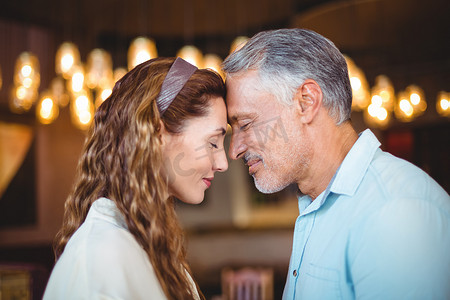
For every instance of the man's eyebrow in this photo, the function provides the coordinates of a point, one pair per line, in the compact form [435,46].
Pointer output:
[221,130]
[238,117]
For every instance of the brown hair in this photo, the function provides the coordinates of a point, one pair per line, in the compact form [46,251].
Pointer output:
[122,161]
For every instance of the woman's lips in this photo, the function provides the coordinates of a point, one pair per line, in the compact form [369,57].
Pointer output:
[207,181]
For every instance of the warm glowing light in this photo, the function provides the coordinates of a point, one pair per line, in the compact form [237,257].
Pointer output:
[192,55]
[213,62]
[118,73]
[359,85]
[22,98]
[377,100]
[376,116]
[355,83]
[141,50]
[443,104]
[382,113]
[105,94]
[82,103]
[82,110]
[26,70]
[417,99]
[58,92]
[27,82]
[21,92]
[85,117]
[67,57]
[406,107]
[385,90]
[77,80]
[238,43]
[47,111]
[67,62]
[99,68]
[414,98]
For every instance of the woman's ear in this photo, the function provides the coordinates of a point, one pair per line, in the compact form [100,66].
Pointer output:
[308,99]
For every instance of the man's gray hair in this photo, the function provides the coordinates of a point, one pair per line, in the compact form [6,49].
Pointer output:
[285,58]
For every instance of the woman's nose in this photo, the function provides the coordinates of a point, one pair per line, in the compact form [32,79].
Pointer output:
[220,161]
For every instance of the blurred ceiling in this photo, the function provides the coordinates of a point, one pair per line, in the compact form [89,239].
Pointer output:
[396,36]
[354,25]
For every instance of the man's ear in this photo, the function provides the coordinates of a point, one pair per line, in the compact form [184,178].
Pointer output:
[308,99]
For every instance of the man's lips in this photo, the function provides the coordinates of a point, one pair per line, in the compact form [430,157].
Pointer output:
[207,181]
[252,165]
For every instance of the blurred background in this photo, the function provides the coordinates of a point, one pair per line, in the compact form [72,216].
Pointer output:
[60,59]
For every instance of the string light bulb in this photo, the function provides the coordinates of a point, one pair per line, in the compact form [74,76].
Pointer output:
[82,109]
[443,104]
[213,62]
[360,87]
[141,50]
[47,109]
[192,55]
[238,43]
[67,57]
[98,68]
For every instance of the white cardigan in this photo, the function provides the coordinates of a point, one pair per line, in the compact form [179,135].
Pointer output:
[102,260]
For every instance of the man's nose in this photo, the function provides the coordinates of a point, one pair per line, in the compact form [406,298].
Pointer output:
[237,146]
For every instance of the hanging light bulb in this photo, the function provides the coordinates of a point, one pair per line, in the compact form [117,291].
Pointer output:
[443,104]
[118,73]
[404,110]
[76,82]
[21,99]
[47,109]
[192,55]
[103,92]
[238,43]
[82,110]
[360,87]
[27,71]
[213,62]
[376,115]
[141,49]
[417,99]
[58,92]
[99,68]
[67,57]
[383,87]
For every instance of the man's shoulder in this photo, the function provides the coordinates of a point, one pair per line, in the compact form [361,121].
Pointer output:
[400,178]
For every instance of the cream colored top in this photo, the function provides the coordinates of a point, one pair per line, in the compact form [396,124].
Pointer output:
[102,260]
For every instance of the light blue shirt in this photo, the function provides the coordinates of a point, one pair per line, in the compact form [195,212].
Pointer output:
[381,230]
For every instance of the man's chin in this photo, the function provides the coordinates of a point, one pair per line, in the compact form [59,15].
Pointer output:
[267,184]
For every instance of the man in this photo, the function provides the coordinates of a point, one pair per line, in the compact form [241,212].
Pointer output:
[371,226]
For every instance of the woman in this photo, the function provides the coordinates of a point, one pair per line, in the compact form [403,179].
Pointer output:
[158,136]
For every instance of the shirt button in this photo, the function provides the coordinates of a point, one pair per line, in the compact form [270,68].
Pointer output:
[294,273]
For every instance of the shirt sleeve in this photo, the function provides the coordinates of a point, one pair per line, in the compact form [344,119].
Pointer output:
[402,252]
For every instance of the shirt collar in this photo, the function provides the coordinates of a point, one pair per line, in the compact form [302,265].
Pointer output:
[349,174]
[355,164]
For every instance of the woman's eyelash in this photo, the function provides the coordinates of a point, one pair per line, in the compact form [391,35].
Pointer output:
[213,145]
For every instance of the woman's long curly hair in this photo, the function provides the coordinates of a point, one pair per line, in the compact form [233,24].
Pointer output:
[122,161]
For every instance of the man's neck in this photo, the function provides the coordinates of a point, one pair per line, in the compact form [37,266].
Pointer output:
[329,151]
